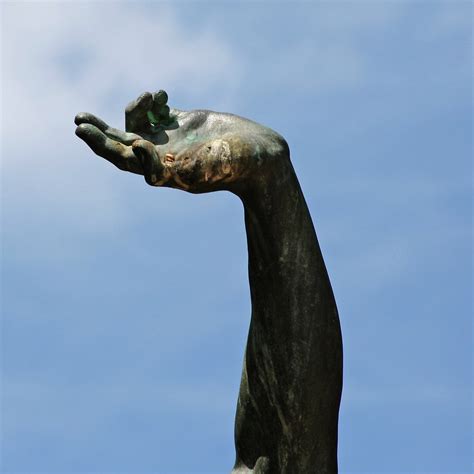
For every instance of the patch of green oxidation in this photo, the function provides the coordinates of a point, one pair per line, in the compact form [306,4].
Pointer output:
[152,118]
[191,137]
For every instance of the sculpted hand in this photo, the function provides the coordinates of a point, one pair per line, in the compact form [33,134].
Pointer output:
[197,151]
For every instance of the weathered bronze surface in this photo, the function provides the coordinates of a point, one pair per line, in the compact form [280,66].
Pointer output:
[287,411]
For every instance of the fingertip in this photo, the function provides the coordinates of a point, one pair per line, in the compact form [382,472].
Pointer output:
[145,100]
[89,133]
[145,95]
[80,118]
[160,98]
[87,118]
[82,129]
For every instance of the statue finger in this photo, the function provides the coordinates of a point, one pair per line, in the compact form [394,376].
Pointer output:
[153,169]
[123,137]
[160,98]
[117,153]
[113,133]
[160,111]
[136,118]
[85,117]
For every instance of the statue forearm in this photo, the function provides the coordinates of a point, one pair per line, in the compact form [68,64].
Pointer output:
[293,366]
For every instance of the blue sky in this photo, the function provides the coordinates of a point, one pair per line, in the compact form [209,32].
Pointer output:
[125,308]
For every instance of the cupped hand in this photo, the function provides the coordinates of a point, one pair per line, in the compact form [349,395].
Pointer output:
[197,151]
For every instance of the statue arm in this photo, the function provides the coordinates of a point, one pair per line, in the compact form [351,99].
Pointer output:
[292,379]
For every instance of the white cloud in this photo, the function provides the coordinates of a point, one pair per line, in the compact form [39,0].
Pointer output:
[58,55]
[62,58]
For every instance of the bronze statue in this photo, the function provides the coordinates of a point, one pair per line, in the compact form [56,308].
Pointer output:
[287,411]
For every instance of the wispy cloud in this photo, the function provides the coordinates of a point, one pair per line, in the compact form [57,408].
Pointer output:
[92,57]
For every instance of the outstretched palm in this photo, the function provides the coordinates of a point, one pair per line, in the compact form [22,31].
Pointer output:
[197,151]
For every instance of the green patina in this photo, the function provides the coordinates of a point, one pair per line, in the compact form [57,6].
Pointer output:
[192,137]
[152,118]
